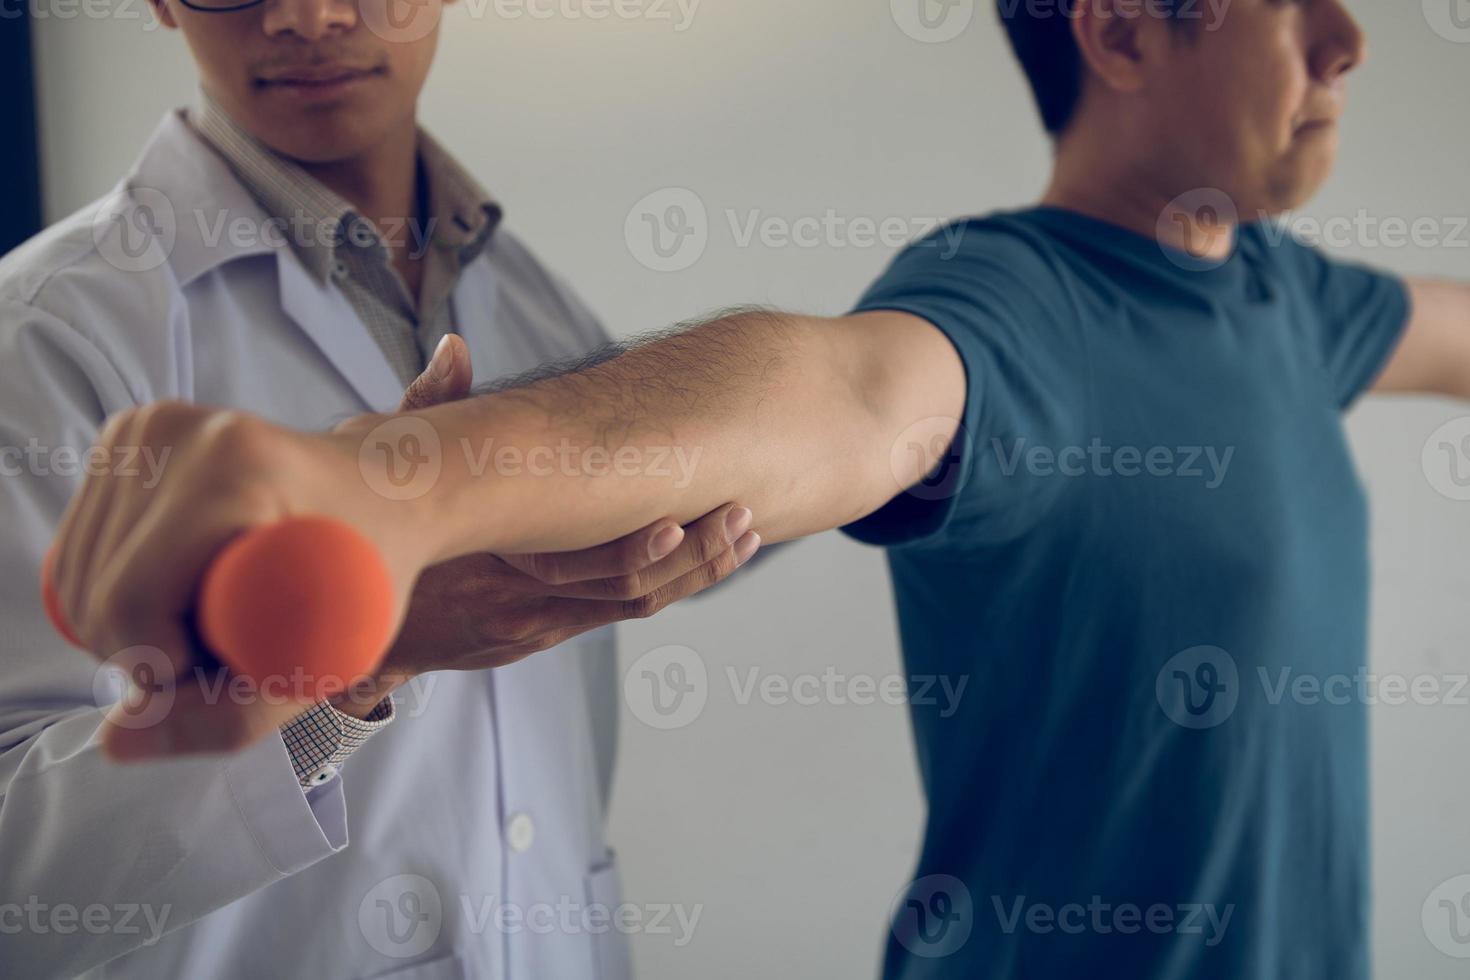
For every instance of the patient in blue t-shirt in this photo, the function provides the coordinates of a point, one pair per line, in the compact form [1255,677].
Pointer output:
[1152,520]
[1150,528]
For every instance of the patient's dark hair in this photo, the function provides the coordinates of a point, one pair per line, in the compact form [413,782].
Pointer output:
[1041,36]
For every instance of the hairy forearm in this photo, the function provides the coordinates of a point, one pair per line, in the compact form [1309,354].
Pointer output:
[774,411]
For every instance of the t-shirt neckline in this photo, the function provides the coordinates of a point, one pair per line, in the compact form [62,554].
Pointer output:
[1228,276]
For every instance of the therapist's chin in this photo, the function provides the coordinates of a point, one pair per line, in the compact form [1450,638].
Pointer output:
[324,144]
[318,130]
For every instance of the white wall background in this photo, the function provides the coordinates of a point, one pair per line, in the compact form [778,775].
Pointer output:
[794,826]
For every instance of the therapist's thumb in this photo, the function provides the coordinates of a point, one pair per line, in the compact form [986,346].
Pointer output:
[447,378]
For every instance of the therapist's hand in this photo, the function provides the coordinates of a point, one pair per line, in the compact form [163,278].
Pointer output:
[484,611]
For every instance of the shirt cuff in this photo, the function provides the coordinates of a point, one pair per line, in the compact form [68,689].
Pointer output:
[320,740]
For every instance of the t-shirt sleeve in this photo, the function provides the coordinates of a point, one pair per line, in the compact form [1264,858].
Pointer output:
[1361,315]
[1002,305]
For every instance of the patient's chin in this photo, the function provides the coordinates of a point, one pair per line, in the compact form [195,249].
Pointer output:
[1302,175]
[1289,191]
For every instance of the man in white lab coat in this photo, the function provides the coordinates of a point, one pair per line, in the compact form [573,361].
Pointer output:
[294,246]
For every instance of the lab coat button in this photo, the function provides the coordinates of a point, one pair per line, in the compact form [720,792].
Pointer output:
[520,832]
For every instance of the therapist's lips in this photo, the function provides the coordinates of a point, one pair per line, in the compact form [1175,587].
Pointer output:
[318,82]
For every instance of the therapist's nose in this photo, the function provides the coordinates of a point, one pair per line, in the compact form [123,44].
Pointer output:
[310,20]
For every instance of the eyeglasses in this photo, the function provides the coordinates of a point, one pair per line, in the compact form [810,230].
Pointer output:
[220,6]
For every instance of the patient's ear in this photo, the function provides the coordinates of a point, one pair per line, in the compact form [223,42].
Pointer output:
[164,13]
[1114,40]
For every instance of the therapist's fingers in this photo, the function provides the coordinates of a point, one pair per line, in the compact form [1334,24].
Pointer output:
[145,590]
[104,511]
[585,614]
[586,573]
[74,552]
[447,378]
[130,497]
[701,542]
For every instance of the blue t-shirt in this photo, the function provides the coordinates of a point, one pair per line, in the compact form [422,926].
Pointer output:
[1144,556]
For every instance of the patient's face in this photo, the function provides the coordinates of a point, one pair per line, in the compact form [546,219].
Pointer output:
[1251,104]
[316,80]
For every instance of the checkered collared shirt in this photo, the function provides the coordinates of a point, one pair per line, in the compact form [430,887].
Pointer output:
[336,243]
[320,740]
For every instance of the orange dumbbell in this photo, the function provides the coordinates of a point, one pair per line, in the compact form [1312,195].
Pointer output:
[306,598]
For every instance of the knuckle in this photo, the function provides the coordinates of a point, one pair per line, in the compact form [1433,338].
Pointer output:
[236,436]
[711,543]
[117,423]
[542,567]
[641,607]
[241,454]
[418,395]
[709,574]
[161,421]
[721,567]
[146,422]
[518,630]
[702,578]
[633,552]
[557,637]
[630,586]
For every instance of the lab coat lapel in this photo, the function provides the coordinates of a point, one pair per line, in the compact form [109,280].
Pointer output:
[203,193]
[324,314]
[474,303]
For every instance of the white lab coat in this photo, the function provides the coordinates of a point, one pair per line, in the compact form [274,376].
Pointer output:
[399,866]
